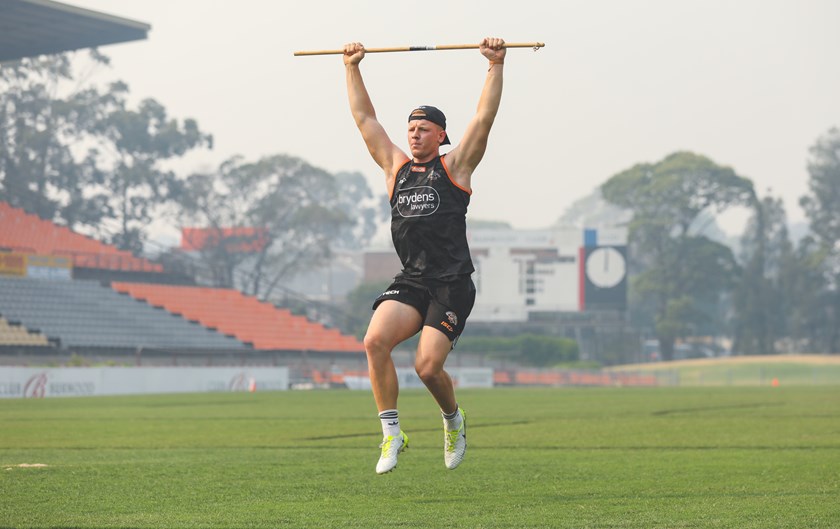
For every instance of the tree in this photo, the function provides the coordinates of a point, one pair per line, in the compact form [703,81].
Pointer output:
[294,212]
[370,210]
[820,206]
[593,210]
[39,127]
[526,349]
[359,303]
[78,155]
[762,297]
[678,272]
[137,142]
[809,319]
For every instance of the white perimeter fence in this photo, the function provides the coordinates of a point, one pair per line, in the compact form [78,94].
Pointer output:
[28,382]
[18,382]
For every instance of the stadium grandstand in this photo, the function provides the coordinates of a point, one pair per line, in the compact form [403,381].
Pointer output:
[48,312]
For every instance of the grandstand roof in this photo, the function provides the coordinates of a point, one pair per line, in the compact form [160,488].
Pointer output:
[36,27]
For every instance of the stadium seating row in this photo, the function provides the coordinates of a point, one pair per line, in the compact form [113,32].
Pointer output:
[86,314]
[29,233]
[250,320]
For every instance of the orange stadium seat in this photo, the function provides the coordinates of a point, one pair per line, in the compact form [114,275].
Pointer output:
[25,232]
[245,317]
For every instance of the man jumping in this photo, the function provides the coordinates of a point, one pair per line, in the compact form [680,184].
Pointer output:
[433,294]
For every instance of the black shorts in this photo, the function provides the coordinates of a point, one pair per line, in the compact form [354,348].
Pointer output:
[444,305]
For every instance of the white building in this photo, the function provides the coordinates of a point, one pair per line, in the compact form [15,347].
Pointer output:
[521,272]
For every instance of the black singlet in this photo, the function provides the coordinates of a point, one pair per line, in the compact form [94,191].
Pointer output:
[428,222]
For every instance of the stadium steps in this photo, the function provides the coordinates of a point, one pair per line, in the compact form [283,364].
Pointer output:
[84,313]
[29,233]
[245,317]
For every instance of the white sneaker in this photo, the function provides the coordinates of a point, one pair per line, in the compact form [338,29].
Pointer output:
[455,443]
[391,447]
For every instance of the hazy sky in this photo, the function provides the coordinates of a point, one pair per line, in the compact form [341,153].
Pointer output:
[749,83]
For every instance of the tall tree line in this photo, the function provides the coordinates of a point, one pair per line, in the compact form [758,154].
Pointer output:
[775,296]
[80,155]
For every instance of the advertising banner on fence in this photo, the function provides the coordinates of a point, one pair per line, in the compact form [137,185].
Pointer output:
[27,382]
[462,377]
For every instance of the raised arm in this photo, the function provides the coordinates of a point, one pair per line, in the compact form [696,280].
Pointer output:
[464,158]
[380,146]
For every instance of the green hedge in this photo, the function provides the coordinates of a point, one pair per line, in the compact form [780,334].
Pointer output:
[529,349]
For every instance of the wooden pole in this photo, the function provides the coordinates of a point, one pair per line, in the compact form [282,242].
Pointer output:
[534,45]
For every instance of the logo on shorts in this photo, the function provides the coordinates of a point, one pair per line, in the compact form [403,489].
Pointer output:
[453,318]
[389,293]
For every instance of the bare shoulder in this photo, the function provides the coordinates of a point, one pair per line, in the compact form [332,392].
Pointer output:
[459,171]
[398,159]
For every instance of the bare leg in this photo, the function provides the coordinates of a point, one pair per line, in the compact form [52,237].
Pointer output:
[392,323]
[432,352]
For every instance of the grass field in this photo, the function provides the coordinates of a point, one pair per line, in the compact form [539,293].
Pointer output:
[794,370]
[746,457]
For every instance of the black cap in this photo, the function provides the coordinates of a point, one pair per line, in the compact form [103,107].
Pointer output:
[432,114]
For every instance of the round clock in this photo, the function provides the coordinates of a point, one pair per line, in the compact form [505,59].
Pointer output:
[605,267]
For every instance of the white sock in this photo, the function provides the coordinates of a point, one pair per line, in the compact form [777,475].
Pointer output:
[452,422]
[390,420]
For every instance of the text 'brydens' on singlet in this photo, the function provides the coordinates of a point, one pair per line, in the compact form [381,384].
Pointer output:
[428,222]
